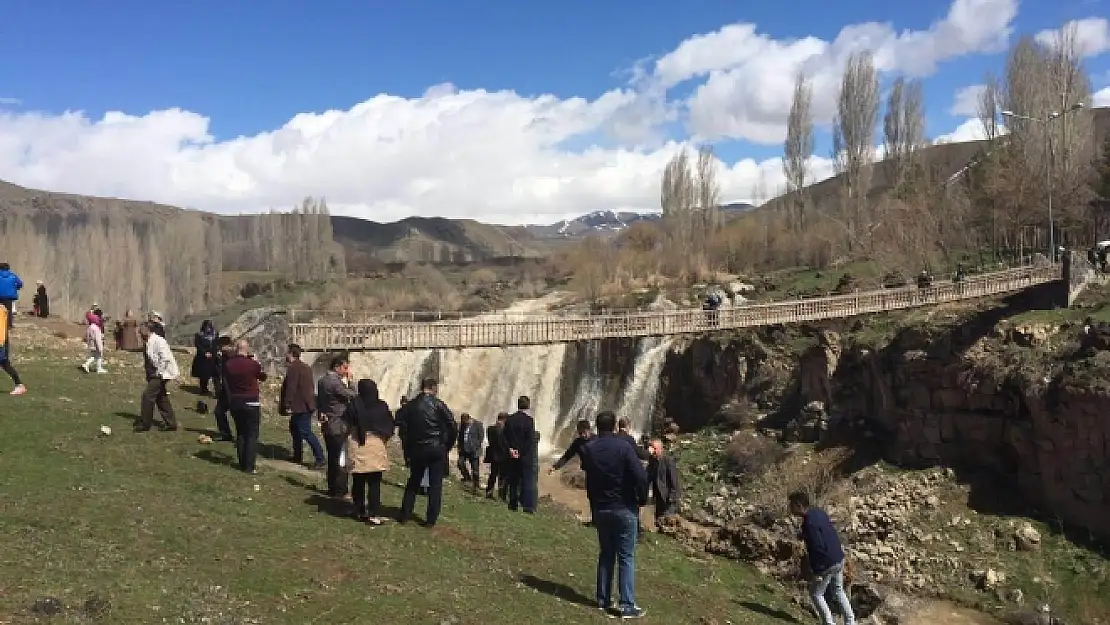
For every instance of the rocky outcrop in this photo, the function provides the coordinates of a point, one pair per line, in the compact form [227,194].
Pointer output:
[268,333]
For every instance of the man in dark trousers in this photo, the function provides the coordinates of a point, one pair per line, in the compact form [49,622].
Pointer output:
[242,373]
[617,486]
[826,558]
[520,440]
[333,393]
[298,401]
[496,454]
[224,350]
[666,488]
[428,431]
[471,439]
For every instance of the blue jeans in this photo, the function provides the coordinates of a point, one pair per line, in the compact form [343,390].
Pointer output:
[820,583]
[616,537]
[300,428]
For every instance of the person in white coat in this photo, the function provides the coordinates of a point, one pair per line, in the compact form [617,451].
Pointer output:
[94,339]
[161,367]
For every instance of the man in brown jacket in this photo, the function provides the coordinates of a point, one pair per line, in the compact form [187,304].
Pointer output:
[298,400]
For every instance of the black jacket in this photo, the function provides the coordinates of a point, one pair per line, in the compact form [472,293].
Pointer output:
[615,477]
[575,449]
[426,422]
[641,453]
[520,434]
[495,444]
[665,485]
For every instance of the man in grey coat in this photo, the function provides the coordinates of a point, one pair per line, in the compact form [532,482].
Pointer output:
[471,438]
[666,488]
[333,393]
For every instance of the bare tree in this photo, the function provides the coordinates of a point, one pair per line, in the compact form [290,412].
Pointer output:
[989,106]
[854,136]
[798,148]
[708,195]
[903,129]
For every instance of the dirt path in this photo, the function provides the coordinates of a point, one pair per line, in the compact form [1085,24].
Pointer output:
[936,612]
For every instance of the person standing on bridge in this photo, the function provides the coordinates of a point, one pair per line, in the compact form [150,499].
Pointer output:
[428,432]
[333,393]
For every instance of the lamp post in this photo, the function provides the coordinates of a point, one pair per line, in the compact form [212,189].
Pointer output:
[1045,121]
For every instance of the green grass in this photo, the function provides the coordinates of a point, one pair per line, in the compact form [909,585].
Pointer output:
[162,528]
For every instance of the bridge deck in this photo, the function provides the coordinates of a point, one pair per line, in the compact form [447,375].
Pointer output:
[494,331]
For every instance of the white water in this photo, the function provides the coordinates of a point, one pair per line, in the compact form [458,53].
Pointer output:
[637,402]
[486,381]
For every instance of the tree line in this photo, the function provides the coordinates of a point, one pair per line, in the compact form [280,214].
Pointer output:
[143,258]
[897,199]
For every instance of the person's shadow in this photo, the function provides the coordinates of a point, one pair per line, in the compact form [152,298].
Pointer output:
[343,509]
[774,613]
[557,590]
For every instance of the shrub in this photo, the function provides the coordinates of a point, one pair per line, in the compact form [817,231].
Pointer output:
[751,454]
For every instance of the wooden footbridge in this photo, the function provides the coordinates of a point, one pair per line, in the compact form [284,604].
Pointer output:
[503,330]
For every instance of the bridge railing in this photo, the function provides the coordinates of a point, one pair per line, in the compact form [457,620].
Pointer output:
[493,331]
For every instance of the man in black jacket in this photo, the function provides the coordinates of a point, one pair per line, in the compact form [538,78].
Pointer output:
[521,441]
[582,436]
[617,486]
[428,432]
[496,453]
[666,488]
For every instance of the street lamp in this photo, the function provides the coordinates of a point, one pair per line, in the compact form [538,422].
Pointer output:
[1044,121]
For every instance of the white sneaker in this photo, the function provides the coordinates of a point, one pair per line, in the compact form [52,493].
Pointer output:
[85,368]
[19,390]
[102,371]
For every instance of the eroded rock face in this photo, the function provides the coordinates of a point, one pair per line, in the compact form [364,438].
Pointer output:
[268,334]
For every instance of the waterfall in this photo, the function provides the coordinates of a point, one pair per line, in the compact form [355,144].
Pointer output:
[588,391]
[397,373]
[637,402]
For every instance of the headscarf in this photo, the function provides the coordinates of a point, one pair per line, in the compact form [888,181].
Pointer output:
[371,414]
[208,330]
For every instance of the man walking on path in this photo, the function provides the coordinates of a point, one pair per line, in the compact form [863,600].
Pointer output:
[242,373]
[161,367]
[471,438]
[617,486]
[333,393]
[521,441]
[666,488]
[496,453]
[6,353]
[428,431]
[826,558]
[10,284]
[298,401]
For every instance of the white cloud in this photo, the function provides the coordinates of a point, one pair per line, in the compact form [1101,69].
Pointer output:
[10,101]
[969,130]
[966,102]
[750,75]
[1092,35]
[1101,97]
[495,156]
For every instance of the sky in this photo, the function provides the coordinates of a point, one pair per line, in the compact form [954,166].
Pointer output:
[506,112]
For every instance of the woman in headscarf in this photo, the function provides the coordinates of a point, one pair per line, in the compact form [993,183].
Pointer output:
[41,301]
[371,425]
[204,361]
[94,340]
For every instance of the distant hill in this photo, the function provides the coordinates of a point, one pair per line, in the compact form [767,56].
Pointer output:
[606,223]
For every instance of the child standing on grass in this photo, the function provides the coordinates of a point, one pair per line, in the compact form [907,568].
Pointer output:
[826,558]
[94,339]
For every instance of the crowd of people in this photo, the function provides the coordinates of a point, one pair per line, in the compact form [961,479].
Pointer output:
[357,424]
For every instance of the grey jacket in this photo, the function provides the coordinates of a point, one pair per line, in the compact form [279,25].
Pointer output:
[472,445]
[665,484]
[332,397]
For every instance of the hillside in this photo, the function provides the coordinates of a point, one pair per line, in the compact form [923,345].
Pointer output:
[608,223]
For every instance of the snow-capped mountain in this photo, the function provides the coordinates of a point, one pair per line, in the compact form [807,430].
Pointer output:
[603,223]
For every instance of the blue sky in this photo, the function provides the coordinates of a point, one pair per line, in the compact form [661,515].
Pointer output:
[249,67]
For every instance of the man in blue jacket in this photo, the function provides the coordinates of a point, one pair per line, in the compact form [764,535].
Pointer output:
[826,558]
[617,485]
[10,284]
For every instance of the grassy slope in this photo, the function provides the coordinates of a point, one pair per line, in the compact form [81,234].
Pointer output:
[161,527]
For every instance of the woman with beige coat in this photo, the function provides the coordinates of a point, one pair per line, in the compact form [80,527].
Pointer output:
[370,423]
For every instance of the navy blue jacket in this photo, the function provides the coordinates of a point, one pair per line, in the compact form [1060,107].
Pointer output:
[615,478]
[822,542]
[9,285]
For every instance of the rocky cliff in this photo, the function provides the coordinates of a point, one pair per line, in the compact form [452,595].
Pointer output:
[1023,406]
